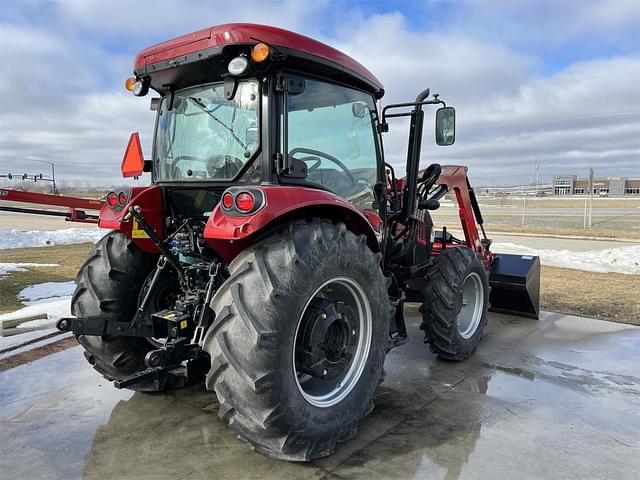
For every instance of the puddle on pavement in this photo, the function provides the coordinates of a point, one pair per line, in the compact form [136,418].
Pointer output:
[60,419]
[498,415]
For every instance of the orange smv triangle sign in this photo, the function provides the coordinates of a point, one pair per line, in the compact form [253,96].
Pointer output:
[133,161]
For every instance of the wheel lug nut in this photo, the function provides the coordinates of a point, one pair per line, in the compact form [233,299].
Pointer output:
[324,316]
[325,372]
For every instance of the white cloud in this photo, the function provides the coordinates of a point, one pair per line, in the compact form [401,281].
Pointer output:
[548,24]
[135,19]
[63,98]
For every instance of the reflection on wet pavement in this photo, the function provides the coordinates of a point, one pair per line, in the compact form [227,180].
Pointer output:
[557,398]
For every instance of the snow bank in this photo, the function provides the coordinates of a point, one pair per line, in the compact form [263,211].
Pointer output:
[617,260]
[42,238]
[6,268]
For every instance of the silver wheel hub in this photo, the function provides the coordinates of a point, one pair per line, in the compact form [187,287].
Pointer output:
[472,307]
[332,342]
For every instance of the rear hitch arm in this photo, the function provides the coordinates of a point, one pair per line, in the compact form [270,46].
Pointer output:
[104,325]
[135,212]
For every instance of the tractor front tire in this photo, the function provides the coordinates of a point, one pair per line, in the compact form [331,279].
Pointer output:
[108,284]
[311,283]
[456,301]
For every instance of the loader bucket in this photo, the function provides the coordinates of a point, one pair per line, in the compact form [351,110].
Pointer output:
[515,285]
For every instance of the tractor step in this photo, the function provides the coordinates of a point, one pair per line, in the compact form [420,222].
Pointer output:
[515,285]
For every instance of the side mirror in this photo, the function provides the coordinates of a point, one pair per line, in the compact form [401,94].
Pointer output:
[359,109]
[445,126]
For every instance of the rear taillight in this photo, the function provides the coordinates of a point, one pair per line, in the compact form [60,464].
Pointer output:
[241,201]
[227,200]
[245,202]
[112,199]
[122,198]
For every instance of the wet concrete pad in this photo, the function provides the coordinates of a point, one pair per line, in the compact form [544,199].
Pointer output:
[555,398]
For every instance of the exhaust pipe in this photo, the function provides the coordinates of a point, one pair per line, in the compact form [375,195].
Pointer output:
[515,285]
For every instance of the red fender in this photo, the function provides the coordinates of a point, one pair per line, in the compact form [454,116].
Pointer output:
[229,233]
[149,199]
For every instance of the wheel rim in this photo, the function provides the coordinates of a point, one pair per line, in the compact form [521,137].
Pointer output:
[332,342]
[471,310]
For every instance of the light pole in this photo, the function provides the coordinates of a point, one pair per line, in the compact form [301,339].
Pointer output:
[53,173]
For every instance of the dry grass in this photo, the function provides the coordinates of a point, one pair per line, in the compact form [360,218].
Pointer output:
[607,296]
[69,257]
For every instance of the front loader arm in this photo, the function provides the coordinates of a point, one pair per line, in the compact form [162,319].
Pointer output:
[454,177]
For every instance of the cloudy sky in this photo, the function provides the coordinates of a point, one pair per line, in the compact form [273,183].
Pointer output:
[550,82]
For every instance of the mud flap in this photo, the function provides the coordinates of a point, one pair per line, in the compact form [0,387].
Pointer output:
[515,285]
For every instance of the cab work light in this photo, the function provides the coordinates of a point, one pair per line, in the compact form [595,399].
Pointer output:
[238,66]
[260,52]
[129,83]
[138,86]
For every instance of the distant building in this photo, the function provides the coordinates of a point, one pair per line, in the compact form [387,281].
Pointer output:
[614,186]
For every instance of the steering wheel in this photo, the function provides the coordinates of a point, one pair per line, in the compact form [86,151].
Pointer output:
[173,166]
[318,153]
[222,163]
[219,162]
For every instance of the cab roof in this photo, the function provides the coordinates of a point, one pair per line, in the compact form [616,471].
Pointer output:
[210,41]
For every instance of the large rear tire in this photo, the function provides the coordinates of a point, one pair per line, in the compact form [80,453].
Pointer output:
[108,283]
[456,301]
[266,314]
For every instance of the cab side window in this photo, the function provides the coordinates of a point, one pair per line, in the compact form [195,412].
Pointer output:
[331,129]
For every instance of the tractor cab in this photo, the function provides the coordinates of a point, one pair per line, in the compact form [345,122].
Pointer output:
[245,104]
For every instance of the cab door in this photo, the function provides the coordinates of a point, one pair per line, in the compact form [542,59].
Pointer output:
[330,128]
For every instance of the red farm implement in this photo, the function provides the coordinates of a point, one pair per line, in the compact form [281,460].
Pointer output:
[76,207]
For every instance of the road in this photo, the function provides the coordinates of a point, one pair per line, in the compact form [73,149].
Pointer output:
[25,221]
[546,213]
[555,398]
[557,243]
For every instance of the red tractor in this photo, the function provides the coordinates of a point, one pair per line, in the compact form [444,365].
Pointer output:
[274,251]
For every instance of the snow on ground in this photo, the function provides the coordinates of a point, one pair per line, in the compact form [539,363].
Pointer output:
[54,308]
[41,238]
[6,268]
[46,290]
[617,260]
[52,299]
